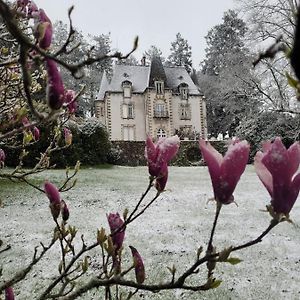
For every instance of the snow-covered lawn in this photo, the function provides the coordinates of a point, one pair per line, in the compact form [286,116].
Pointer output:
[168,233]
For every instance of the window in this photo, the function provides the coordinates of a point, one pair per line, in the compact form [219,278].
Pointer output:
[128,133]
[159,86]
[127,87]
[184,91]
[160,110]
[161,133]
[128,111]
[185,112]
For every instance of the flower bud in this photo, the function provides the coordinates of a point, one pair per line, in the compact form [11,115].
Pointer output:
[138,266]
[54,197]
[55,86]
[9,293]
[225,172]
[2,158]
[115,222]
[43,29]
[158,156]
[64,211]
[277,168]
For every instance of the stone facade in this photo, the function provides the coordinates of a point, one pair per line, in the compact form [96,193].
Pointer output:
[156,100]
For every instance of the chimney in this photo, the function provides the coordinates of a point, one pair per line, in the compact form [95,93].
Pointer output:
[143,61]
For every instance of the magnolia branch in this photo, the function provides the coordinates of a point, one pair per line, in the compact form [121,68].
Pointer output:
[23,273]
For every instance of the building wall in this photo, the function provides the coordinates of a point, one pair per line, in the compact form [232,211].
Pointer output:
[120,125]
[154,123]
[144,121]
[196,122]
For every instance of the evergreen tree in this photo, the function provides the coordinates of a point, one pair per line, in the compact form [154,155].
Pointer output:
[153,51]
[181,54]
[224,40]
[226,79]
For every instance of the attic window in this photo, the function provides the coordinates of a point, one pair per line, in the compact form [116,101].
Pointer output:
[159,86]
[180,77]
[126,75]
[127,88]
[184,91]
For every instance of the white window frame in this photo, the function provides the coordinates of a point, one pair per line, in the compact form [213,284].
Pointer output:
[160,110]
[127,111]
[159,87]
[127,89]
[185,112]
[161,133]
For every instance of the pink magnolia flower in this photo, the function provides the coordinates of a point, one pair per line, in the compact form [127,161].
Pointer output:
[226,171]
[70,101]
[158,156]
[68,136]
[115,222]
[43,29]
[9,293]
[55,87]
[276,167]
[54,197]
[138,265]
[2,158]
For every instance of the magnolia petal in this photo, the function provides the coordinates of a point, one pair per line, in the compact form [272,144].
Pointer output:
[213,160]
[168,148]
[55,87]
[266,146]
[233,166]
[138,265]
[263,173]
[162,179]
[150,149]
[294,158]
[52,192]
[151,156]
[277,162]
[9,293]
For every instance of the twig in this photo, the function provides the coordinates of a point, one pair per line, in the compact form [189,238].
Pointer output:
[22,274]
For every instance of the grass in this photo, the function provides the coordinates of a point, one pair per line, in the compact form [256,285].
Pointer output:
[168,233]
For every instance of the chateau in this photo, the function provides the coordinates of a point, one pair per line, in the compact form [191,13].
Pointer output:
[156,100]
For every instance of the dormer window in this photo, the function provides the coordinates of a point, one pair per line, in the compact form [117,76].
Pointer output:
[184,91]
[159,86]
[127,89]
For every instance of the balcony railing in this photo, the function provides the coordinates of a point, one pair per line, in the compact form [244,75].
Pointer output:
[161,114]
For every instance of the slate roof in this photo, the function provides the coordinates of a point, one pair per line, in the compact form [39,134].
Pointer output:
[104,86]
[142,77]
[157,72]
[137,75]
[178,75]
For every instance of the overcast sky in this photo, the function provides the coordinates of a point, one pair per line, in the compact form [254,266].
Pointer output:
[156,22]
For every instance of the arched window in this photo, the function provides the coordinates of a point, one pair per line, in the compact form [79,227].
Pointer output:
[184,91]
[127,88]
[161,133]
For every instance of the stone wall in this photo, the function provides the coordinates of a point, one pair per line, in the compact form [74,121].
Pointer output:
[131,153]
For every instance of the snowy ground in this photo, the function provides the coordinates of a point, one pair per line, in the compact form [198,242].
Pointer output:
[169,233]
